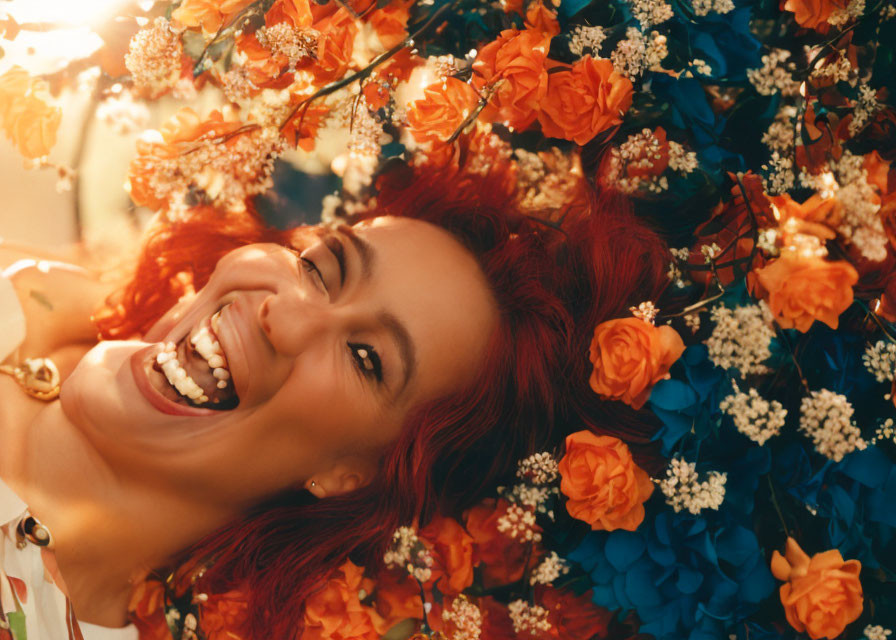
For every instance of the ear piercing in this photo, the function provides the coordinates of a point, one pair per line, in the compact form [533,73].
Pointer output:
[313,483]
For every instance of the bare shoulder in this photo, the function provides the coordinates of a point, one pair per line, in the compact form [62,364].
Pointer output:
[57,297]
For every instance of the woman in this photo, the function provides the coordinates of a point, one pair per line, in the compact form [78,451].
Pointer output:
[336,384]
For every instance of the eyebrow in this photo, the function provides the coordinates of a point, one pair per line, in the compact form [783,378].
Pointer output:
[396,327]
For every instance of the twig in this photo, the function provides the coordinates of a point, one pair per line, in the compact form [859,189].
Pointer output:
[470,119]
[777,506]
[366,71]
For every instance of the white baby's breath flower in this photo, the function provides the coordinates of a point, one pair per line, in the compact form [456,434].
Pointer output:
[741,338]
[826,417]
[684,490]
[753,415]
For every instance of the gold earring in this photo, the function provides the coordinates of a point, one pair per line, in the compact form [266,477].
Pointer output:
[313,483]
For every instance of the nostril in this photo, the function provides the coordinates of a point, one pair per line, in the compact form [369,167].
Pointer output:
[263,313]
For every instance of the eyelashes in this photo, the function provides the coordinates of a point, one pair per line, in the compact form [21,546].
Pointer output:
[311,268]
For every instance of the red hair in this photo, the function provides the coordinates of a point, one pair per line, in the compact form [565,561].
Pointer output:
[553,284]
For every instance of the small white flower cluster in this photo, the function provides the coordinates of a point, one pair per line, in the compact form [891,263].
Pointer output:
[860,223]
[651,12]
[226,175]
[683,489]
[154,58]
[767,241]
[876,632]
[692,321]
[528,618]
[539,468]
[406,551]
[885,431]
[636,53]
[519,523]
[549,569]
[710,251]
[538,471]
[753,415]
[643,151]
[836,68]
[827,418]
[675,274]
[880,360]
[271,107]
[530,497]
[780,178]
[842,15]
[294,44]
[775,74]
[780,133]
[888,11]
[465,617]
[703,7]
[865,107]
[121,112]
[584,37]
[740,338]
[645,311]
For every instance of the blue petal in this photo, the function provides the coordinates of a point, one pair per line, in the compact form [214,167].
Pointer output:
[623,548]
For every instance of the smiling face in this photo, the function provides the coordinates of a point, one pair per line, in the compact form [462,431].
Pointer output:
[323,355]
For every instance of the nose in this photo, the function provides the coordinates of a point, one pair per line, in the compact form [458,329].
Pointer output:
[296,314]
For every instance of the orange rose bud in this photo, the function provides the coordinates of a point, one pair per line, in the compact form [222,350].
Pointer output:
[27,119]
[629,356]
[336,613]
[801,289]
[605,487]
[513,67]
[211,16]
[813,14]
[443,109]
[581,102]
[452,549]
[822,594]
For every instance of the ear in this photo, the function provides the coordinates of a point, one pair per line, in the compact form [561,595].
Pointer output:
[343,477]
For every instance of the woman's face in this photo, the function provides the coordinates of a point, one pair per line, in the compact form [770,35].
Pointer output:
[325,353]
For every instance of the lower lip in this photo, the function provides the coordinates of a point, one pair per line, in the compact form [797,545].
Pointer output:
[152,395]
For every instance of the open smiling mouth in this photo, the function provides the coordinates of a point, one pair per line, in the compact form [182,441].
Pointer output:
[196,369]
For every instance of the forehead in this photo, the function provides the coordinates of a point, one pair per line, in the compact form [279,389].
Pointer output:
[435,286]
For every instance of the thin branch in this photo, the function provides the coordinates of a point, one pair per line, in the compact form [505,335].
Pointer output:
[470,119]
[366,71]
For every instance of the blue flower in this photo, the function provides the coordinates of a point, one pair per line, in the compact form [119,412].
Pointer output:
[726,43]
[689,401]
[684,577]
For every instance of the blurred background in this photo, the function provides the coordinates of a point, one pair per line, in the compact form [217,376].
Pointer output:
[78,198]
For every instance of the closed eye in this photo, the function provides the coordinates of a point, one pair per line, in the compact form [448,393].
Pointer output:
[311,268]
[367,360]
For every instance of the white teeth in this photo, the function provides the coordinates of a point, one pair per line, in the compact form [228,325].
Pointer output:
[208,347]
[177,376]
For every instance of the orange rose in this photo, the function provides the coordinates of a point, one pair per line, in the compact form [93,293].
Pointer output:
[813,14]
[630,356]
[390,22]
[223,617]
[605,487]
[336,613]
[335,46]
[28,121]
[296,12]
[452,550]
[397,597]
[146,611]
[800,290]
[542,19]
[211,15]
[584,100]
[501,559]
[442,110]
[822,594]
[513,67]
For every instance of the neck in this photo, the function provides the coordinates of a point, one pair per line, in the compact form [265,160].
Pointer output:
[109,531]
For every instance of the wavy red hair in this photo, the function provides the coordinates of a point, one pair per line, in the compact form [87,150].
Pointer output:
[553,284]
